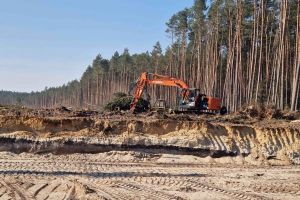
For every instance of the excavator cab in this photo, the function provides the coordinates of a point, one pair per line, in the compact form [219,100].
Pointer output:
[187,99]
[191,99]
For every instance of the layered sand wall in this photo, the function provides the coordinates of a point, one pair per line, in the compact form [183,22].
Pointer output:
[252,143]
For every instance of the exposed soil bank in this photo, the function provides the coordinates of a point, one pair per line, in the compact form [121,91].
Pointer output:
[260,143]
[69,147]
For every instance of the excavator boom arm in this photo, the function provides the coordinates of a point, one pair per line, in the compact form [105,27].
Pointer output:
[154,79]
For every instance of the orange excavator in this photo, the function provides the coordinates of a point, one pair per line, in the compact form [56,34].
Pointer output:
[190,99]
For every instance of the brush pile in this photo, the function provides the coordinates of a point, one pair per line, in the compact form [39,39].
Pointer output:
[122,101]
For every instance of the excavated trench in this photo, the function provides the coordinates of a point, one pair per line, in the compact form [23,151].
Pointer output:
[279,145]
[69,147]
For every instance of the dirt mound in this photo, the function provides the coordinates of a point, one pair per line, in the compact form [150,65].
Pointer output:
[267,112]
[261,111]
[62,111]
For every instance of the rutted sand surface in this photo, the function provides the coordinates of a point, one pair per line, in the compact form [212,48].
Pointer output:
[131,175]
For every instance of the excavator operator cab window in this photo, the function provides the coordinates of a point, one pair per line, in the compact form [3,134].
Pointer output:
[203,102]
[192,96]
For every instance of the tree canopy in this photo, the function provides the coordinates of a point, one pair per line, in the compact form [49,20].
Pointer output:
[242,51]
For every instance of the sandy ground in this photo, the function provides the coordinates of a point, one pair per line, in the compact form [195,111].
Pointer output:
[150,156]
[131,175]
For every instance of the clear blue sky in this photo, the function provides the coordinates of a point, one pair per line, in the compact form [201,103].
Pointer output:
[50,42]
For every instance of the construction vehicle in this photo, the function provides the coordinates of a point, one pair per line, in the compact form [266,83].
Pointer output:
[189,99]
